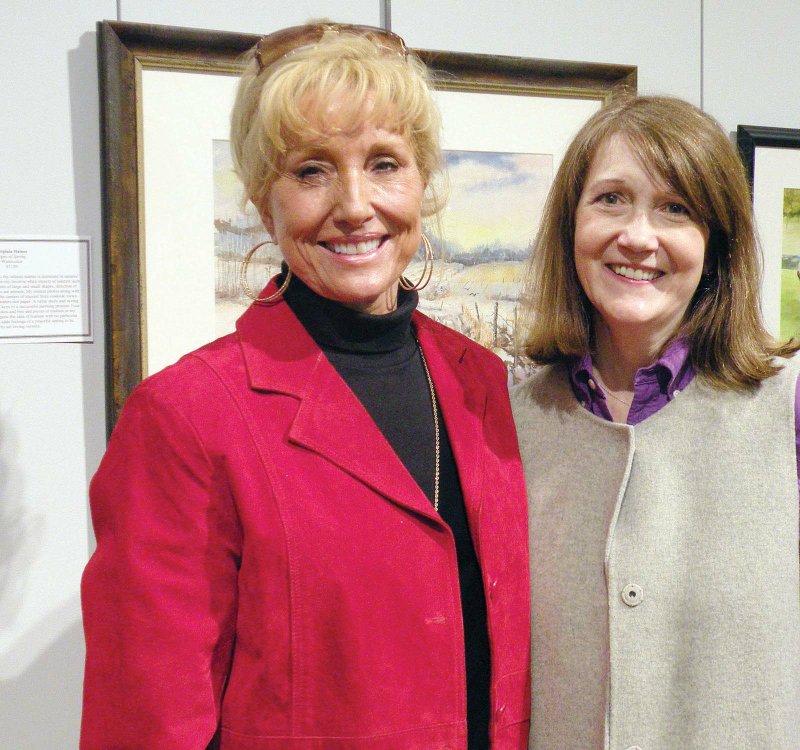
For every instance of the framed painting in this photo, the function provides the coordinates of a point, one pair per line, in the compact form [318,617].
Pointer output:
[772,159]
[175,229]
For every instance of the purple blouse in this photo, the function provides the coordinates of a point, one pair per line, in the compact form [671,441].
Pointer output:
[653,387]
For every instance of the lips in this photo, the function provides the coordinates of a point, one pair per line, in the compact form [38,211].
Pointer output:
[345,246]
[635,274]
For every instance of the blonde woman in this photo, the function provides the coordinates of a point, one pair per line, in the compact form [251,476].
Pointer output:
[312,532]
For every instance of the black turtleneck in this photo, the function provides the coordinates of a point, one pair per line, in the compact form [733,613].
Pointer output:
[378,357]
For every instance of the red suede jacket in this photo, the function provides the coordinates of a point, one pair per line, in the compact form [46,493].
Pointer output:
[268,575]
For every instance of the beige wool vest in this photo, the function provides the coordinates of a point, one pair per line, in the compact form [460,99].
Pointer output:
[665,570]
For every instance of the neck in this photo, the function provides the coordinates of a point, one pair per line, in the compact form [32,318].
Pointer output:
[384,303]
[620,353]
[336,326]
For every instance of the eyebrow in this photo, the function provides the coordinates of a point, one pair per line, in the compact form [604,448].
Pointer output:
[607,182]
[320,149]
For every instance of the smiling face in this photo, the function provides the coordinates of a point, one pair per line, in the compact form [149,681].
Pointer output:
[345,211]
[639,249]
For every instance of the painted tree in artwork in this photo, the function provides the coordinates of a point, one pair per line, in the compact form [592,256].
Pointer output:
[791,203]
[791,222]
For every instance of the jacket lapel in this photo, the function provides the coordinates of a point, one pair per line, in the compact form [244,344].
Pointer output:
[462,399]
[281,357]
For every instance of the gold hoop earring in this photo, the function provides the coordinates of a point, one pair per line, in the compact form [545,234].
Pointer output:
[427,270]
[243,277]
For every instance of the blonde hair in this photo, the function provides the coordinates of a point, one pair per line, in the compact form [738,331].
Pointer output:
[687,149]
[287,101]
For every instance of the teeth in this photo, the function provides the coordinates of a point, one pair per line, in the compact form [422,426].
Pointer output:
[637,274]
[355,248]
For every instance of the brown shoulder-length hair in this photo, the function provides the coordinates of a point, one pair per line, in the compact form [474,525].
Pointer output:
[687,149]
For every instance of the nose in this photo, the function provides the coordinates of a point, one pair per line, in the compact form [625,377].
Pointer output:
[638,234]
[353,200]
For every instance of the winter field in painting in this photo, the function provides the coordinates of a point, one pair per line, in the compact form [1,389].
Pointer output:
[480,244]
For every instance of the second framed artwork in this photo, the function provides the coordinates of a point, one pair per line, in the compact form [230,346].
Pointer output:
[772,159]
[175,230]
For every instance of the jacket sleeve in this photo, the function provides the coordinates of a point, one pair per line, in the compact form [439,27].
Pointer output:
[159,593]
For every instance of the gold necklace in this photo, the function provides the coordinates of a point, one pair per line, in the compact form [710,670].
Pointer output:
[607,390]
[435,407]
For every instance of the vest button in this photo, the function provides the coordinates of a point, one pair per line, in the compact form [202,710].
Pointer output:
[632,595]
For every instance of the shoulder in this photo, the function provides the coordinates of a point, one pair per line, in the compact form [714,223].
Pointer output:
[546,394]
[783,380]
[789,366]
[457,346]
[542,384]
[786,381]
[188,413]
[198,378]
[200,363]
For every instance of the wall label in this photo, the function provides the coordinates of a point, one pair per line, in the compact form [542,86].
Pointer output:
[45,290]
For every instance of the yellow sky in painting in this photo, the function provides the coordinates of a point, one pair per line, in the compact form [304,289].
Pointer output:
[496,197]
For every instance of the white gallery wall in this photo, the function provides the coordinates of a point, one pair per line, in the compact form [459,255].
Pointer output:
[735,58]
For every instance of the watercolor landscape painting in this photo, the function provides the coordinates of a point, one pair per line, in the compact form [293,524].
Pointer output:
[480,243]
[492,214]
[790,264]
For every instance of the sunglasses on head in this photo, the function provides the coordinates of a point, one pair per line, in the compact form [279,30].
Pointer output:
[273,47]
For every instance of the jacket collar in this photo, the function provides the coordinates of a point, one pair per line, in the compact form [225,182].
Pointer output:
[280,356]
